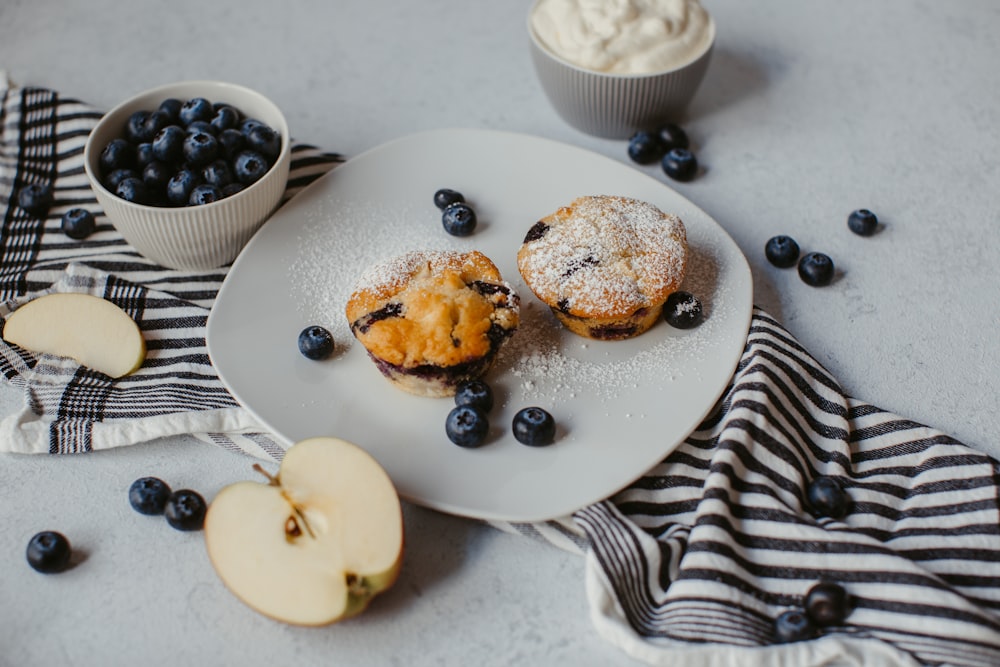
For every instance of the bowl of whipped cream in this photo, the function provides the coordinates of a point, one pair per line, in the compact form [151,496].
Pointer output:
[614,67]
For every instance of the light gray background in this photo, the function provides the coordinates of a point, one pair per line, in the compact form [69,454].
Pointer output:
[808,111]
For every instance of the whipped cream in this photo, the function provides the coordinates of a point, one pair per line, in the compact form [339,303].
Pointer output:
[623,36]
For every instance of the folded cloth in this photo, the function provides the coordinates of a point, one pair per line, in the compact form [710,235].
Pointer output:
[690,564]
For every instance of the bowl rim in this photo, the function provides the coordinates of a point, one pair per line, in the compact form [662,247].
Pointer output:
[91,151]
[698,55]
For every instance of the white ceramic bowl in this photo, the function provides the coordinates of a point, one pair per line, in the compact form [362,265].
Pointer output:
[615,106]
[192,237]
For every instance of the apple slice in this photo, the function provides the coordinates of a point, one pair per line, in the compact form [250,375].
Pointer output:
[314,544]
[93,331]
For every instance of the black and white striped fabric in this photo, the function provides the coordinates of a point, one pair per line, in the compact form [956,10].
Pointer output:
[689,565]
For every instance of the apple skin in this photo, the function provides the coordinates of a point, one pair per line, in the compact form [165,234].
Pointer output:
[316,543]
[93,331]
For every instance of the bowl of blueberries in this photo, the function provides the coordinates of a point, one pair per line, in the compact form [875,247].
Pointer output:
[187,172]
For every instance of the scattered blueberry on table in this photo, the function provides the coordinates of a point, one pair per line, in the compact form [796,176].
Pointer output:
[862,222]
[315,342]
[149,495]
[680,164]
[646,147]
[670,146]
[683,310]
[782,251]
[185,510]
[793,625]
[827,603]
[48,552]
[816,269]
[78,223]
[467,426]
[534,426]
[35,199]
[827,498]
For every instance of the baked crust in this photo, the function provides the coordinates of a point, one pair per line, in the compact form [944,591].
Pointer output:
[605,264]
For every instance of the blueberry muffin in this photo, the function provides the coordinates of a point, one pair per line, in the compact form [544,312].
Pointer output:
[605,265]
[432,319]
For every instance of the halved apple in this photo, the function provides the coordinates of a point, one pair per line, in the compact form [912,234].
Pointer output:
[93,331]
[314,543]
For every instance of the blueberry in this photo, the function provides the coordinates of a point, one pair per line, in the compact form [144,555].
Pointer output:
[204,194]
[232,188]
[168,144]
[534,426]
[172,108]
[475,393]
[149,495]
[466,426]
[118,154]
[180,185]
[827,603]
[48,552]
[133,189]
[35,199]
[231,142]
[249,124]
[135,127]
[249,167]
[680,164]
[674,136]
[262,139]
[112,180]
[194,109]
[826,497]
[816,269]
[144,153]
[682,310]
[200,148]
[155,122]
[78,223]
[459,219]
[646,147]
[782,251]
[225,118]
[445,197]
[862,222]
[793,626]
[218,173]
[156,175]
[315,342]
[185,510]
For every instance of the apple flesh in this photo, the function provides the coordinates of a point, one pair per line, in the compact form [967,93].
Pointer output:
[93,331]
[313,544]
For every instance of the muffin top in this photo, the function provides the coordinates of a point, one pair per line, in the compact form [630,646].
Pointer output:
[440,308]
[604,257]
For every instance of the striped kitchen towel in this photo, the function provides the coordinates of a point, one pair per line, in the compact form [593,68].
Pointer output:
[689,565]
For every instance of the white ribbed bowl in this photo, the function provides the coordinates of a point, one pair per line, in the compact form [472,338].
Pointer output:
[615,106]
[192,237]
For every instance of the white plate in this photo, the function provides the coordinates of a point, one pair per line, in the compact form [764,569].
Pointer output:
[621,406]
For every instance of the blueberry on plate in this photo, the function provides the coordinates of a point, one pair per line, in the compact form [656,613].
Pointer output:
[680,164]
[78,223]
[646,147]
[194,109]
[816,269]
[827,498]
[683,310]
[315,342]
[862,222]
[204,194]
[149,495]
[467,426]
[782,251]
[249,167]
[200,148]
[827,603]
[674,136]
[534,427]
[185,510]
[793,626]
[459,219]
[48,552]
[475,393]
[445,197]
[35,199]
